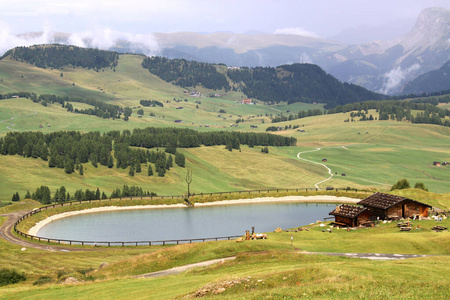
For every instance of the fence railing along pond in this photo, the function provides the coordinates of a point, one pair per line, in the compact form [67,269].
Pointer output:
[142,243]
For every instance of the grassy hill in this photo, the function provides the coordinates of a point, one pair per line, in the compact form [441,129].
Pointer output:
[269,268]
[371,154]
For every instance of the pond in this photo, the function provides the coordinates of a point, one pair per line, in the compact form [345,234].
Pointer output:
[184,223]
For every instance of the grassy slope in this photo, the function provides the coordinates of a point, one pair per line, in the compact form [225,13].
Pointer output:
[283,272]
[276,276]
[388,152]
[284,275]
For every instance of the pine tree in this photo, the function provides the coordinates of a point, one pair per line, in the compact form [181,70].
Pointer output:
[94,160]
[97,194]
[150,170]
[138,168]
[161,172]
[69,166]
[110,162]
[62,193]
[56,196]
[15,197]
[52,161]
[81,170]
[180,159]
[44,152]
[28,195]
[169,162]
[229,146]
[131,172]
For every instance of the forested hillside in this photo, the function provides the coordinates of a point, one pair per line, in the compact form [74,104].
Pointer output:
[59,56]
[433,81]
[298,83]
[288,83]
[186,73]
[427,111]
[100,109]
[68,150]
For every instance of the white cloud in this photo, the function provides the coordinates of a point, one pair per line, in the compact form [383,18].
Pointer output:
[100,38]
[395,77]
[8,40]
[296,31]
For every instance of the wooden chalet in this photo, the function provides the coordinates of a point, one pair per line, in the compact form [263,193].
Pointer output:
[386,206]
[350,215]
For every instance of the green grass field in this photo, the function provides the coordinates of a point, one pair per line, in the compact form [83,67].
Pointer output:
[373,155]
[263,268]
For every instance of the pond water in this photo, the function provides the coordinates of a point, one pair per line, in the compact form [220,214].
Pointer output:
[184,223]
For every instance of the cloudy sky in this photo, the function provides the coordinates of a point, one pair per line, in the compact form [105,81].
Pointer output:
[324,18]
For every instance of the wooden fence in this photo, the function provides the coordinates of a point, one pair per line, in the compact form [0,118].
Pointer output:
[149,243]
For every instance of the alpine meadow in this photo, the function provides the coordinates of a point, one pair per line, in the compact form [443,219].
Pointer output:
[85,129]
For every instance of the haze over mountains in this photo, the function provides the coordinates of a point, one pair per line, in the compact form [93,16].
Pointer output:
[381,66]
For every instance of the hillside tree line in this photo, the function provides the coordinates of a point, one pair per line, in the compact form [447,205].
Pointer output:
[100,108]
[186,73]
[59,56]
[69,150]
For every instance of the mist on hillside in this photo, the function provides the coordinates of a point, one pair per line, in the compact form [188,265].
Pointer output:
[103,39]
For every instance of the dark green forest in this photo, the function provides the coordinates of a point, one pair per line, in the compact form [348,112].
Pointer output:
[44,195]
[69,150]
[298,83]
[429,112]
[101,109]
[186,73]
[59,56]
[151,103]
[288,83]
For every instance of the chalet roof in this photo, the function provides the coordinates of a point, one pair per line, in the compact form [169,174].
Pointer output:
[385,201]
[347,211]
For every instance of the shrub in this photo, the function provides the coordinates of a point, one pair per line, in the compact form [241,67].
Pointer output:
[401,184]
[43,280]
[10,276]
[420,185]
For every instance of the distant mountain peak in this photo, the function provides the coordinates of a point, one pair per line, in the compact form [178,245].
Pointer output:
[432,29]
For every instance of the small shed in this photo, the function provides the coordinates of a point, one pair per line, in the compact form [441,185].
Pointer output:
[350,215]
[386,206]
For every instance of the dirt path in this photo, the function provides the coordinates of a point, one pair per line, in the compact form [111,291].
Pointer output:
[184,268]
[323,165]
[329,170]
[12,124]
[371,256]
[6,232]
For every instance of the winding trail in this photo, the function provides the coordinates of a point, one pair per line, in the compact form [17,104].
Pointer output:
[6,232]
[12,124]
[329,170]
[371,256]
[323,165]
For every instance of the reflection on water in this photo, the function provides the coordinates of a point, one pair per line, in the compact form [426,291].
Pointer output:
[184,223]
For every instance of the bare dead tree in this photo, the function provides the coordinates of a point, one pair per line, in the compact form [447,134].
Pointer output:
[188,181]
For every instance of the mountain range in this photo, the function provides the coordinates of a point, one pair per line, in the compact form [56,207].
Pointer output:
[381,66]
